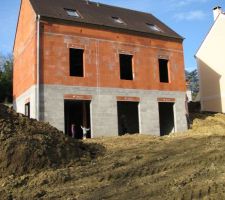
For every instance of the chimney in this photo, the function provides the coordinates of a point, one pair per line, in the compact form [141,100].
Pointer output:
[216,11]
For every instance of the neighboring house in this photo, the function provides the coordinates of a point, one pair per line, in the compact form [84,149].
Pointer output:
[211,66]
[109,69]
[188,92]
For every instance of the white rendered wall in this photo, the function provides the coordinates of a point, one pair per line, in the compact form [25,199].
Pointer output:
[28,96]
[211,65]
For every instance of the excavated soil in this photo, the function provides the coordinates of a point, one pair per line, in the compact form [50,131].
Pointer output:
[26,145]
[188,165]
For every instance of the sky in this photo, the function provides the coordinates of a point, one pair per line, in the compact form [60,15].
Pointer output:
[192,19]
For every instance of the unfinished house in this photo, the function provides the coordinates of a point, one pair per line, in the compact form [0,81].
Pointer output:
[110,69]
[211,65]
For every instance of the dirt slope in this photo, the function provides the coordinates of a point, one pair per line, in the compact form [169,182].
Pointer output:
[27,145]
[181,166]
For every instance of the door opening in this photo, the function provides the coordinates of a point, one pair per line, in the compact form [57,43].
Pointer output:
[166,118]
[128,120]
[77,114]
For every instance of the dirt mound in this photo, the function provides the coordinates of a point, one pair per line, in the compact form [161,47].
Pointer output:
[26,145]
[206,123]
[188,165]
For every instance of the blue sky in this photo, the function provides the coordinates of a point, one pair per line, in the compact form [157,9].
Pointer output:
[190,18]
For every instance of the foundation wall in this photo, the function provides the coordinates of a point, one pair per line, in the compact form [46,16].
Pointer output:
[104,120]
[28,96]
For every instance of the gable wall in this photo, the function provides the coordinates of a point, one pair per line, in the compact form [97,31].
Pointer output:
[24,71]
[211,65]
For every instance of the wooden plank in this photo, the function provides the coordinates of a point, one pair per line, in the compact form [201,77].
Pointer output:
[126,98]
[164,99]
[77,97]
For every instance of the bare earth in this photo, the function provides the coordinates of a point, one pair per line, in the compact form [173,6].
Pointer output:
[188,165]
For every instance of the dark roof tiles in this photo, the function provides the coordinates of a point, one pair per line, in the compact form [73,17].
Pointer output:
[101,14]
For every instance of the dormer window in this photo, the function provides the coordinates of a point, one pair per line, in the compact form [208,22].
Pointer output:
[153,27]
[72,13]
[118,20]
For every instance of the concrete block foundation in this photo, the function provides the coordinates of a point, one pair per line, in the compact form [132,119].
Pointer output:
[103,107]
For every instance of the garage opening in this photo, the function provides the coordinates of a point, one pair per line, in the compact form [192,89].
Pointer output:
[166,118]
[163,71]
[126,71]
[128,120]
[77,114]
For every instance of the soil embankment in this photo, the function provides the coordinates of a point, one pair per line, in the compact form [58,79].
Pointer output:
[26,145]
[188,165]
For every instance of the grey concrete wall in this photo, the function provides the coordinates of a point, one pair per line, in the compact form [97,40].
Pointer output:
[104,115]
[104,120]
[179,114]
[149,114]
[19,103]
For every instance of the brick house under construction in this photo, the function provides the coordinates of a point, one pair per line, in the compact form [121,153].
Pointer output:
[112,69]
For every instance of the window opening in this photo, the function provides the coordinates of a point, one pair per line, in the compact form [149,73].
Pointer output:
[118,20]
[154,27]
[72,13]
[76,62]
[27,109]
[126,72]
[163,71]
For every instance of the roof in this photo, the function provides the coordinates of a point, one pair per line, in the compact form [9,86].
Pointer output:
[93,13]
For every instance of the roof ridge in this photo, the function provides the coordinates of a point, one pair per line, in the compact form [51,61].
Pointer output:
[135,20]
[123,8]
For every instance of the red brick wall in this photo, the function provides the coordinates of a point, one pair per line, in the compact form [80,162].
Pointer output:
[24,69]
[101,56]
[106,46]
